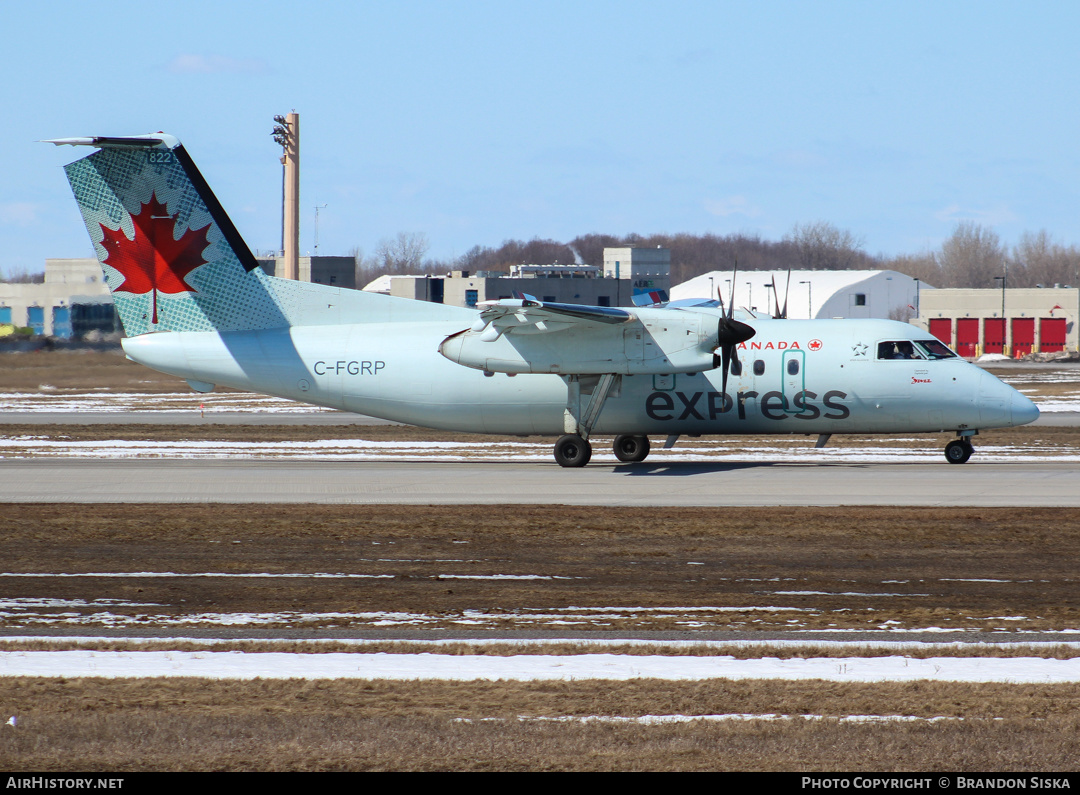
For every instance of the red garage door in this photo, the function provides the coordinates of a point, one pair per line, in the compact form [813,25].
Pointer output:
[1023,336]
[994,335]
[1051,334]
[967,335]
[941,327]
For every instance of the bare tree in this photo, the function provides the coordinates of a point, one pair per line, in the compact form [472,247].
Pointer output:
[971,257]
[822,246]
[924,267]
[402,254]
[22,276]
[1037,259]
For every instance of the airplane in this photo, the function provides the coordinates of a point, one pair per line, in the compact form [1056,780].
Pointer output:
[194,303]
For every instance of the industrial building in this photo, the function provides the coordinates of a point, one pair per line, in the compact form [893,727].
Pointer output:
[626,273]
[338,271]
[72,301]
[813,294]
[1012,322]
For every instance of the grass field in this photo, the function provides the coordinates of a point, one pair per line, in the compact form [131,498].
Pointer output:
[191,724]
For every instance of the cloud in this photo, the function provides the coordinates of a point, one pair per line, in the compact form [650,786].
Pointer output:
[731,205]
[190,63]
[18,214]
[999,214]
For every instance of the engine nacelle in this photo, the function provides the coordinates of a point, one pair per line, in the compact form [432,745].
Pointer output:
[668,343]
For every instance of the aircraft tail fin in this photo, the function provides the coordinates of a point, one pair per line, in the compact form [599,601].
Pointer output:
[171,257]
[174,261]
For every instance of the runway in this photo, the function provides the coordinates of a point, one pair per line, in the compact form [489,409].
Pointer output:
[69,480]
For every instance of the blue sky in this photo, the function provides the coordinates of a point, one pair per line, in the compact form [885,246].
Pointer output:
[474,122]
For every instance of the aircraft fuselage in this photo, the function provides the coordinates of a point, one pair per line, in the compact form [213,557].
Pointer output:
[808,377]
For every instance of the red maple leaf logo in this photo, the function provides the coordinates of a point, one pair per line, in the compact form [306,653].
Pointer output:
[154,260]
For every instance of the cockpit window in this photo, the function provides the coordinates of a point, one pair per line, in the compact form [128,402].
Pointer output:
[898,349]
[918,349]
[935,349]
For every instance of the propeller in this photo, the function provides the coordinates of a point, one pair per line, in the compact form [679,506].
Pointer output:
[729,333]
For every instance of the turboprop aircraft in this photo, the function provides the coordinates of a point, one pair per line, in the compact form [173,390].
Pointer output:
[194,303]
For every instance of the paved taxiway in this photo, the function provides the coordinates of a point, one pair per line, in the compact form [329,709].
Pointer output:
[1034,484]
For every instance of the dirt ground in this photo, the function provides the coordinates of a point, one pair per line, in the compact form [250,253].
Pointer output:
[191,724]
[554,568]
[82,370]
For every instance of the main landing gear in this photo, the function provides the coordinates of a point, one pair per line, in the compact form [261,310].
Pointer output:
[958,451]
[585,399]
[573,451]
[630,449]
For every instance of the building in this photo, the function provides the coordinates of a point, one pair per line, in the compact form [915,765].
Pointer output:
[814,294]
[338,271]
[71,302]
[626,273]
[1012,322]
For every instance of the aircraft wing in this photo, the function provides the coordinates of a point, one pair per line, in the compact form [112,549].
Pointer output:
[527,315]
[523,335]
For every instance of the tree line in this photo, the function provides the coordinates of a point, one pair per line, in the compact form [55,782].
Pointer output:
[972,256]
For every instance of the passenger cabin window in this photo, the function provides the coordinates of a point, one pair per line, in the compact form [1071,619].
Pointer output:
[759,367]
[793,367]
[736,366]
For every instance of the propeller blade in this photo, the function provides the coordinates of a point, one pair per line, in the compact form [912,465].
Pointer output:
[787,291]
[725,365]
[731,303]
[776,297]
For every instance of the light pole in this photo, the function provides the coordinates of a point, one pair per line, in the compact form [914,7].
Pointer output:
[767,288]
[809,299]
[287,135]
[750,296]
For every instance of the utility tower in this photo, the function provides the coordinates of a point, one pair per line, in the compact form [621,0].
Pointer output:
[287,134]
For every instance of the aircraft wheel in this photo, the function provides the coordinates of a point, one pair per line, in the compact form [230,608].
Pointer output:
[572,451]
[958,451]
[631,449]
